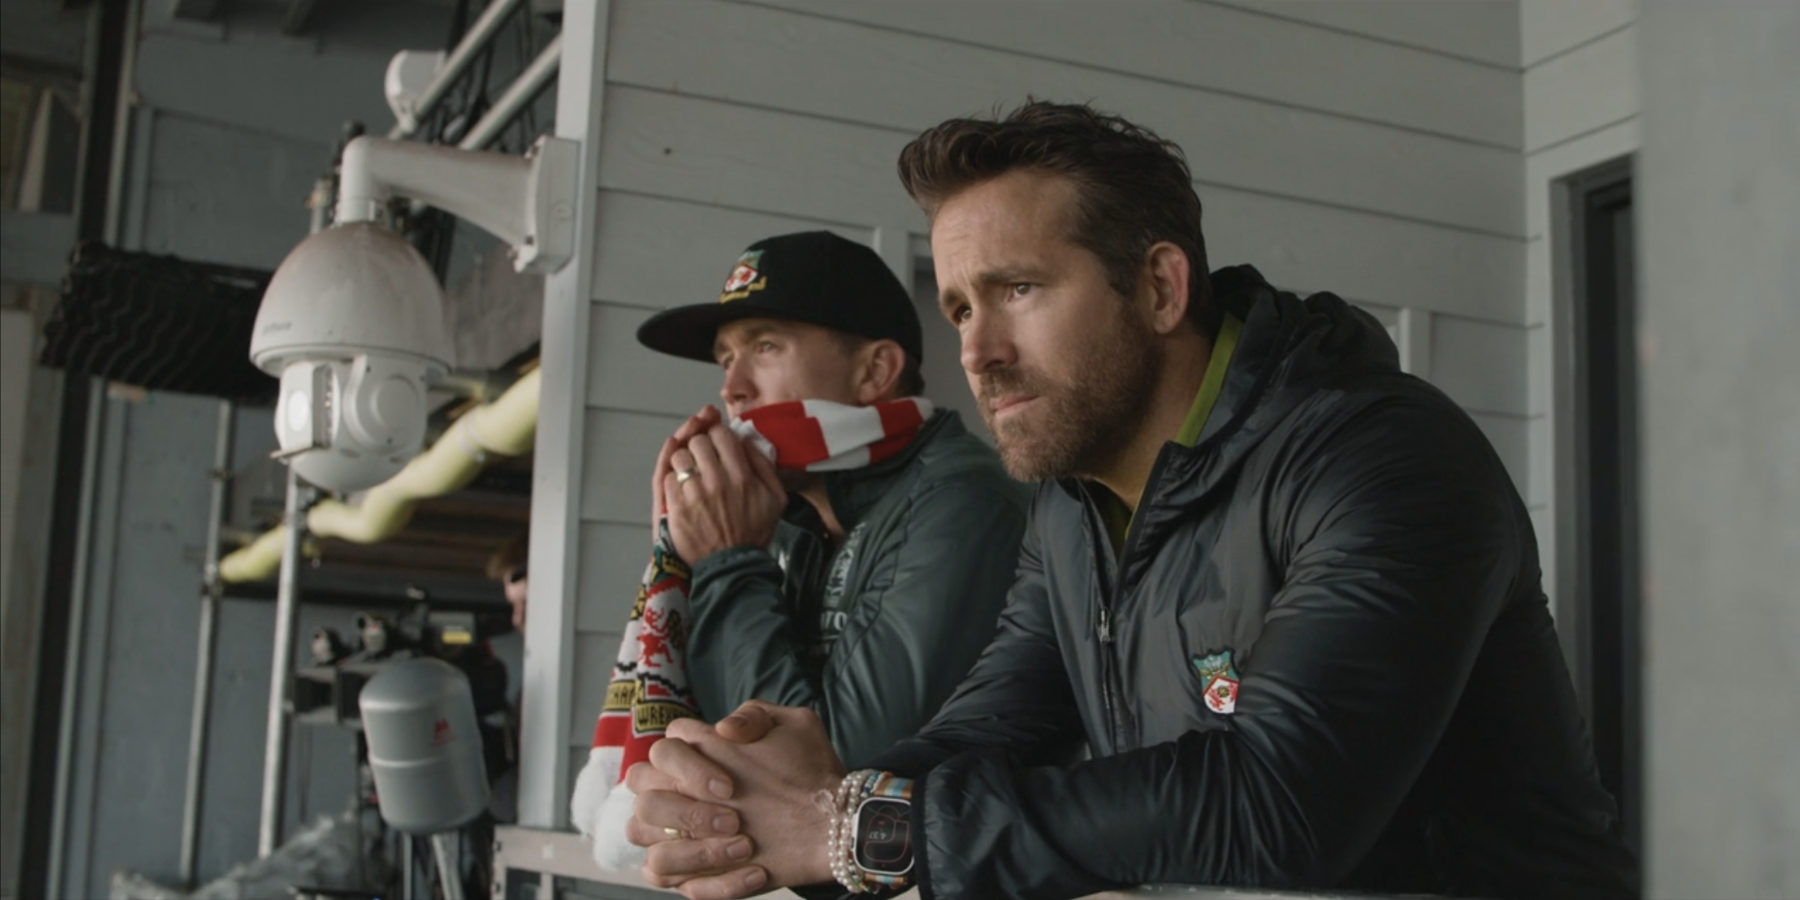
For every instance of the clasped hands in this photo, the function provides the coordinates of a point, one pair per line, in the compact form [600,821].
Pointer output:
[738,808]
[717,491]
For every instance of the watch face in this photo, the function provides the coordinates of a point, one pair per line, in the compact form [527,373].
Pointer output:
[884,836]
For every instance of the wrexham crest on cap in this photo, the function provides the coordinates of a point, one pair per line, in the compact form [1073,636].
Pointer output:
[745,277]
[1221,680]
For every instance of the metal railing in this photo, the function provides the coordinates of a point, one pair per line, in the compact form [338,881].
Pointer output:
[564,865]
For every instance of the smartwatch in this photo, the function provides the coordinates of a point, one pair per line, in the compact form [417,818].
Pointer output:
[884,837]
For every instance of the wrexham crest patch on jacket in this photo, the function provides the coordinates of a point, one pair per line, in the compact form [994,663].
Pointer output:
[1221,680]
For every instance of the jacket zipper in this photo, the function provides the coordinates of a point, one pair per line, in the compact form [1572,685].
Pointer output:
[1111,691]
[1097,538]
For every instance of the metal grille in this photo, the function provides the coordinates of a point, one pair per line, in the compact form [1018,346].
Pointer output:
[158,322]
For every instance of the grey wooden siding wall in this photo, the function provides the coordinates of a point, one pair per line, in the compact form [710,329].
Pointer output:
[1368,148]
[1581,110]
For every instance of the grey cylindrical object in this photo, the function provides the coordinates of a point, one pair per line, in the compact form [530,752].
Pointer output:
[424,746]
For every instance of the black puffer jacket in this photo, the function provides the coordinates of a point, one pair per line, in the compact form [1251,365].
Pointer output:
[1404,720]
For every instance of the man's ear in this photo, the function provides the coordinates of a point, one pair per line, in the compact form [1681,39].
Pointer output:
[878,367]
[1166,274]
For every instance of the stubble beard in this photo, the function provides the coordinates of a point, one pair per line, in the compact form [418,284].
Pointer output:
[1079,426]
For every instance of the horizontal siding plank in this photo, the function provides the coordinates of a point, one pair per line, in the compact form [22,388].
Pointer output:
[706,151]
[1481,365]
[613,558]
[1539,286]
[1307,247]
[625,375]
[1550,27]
[1584,90]
[1541,449]
[1508,435]
[1539,369]
[1227,50]
[622,448]
[594,655]
[654,253]
[1482,30]
[823,171]
[898,84]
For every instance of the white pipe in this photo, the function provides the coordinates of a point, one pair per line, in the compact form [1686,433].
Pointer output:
[506,427]
[523,88]
[483,31]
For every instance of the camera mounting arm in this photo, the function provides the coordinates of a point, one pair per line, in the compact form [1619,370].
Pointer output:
[527,201]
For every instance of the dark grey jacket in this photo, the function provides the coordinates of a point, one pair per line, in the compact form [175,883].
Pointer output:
[874,637]
[1404,722]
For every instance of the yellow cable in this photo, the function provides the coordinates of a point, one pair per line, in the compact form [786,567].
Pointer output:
[507,427]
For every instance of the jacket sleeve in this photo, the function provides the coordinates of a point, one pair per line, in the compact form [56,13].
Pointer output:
[1398,534]
[1017,695]
[918,618]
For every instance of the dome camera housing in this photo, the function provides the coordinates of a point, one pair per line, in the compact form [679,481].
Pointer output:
[352,324]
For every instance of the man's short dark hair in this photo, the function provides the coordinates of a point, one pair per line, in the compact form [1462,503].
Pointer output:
[511,555]
[1134,188]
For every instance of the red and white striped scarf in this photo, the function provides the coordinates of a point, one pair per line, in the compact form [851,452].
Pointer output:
[649,686]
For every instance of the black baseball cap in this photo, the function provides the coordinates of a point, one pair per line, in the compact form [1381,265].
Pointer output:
[815,277]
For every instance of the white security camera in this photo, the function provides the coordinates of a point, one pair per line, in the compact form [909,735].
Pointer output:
[352,323]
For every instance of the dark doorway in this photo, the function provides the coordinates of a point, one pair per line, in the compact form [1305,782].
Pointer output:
[1608,646]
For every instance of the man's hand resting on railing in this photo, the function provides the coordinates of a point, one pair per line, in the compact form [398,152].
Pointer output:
[740,808]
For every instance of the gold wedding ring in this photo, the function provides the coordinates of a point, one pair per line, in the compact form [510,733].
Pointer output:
[682,476]
[675,834]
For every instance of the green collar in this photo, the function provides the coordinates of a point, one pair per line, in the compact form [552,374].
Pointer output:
[1118,518]
[1211,385]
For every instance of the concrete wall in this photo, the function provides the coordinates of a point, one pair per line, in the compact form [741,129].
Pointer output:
[1718,212]
[1369,148]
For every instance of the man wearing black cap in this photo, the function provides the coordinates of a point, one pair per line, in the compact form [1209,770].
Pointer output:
[861,581]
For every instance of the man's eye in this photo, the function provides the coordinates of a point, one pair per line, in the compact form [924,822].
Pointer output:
[1021,289]
[724,362]
[960,315]
[765,346]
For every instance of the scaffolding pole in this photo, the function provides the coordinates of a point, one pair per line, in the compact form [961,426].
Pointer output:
[281,670]
[210,592]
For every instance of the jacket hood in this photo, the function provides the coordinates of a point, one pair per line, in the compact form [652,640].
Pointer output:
[1289,348]
[1288,351]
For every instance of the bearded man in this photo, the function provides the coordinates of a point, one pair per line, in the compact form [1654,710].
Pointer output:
[1287,595]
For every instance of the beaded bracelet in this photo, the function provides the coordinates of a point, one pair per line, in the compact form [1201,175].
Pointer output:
[841,842]
[846,837]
